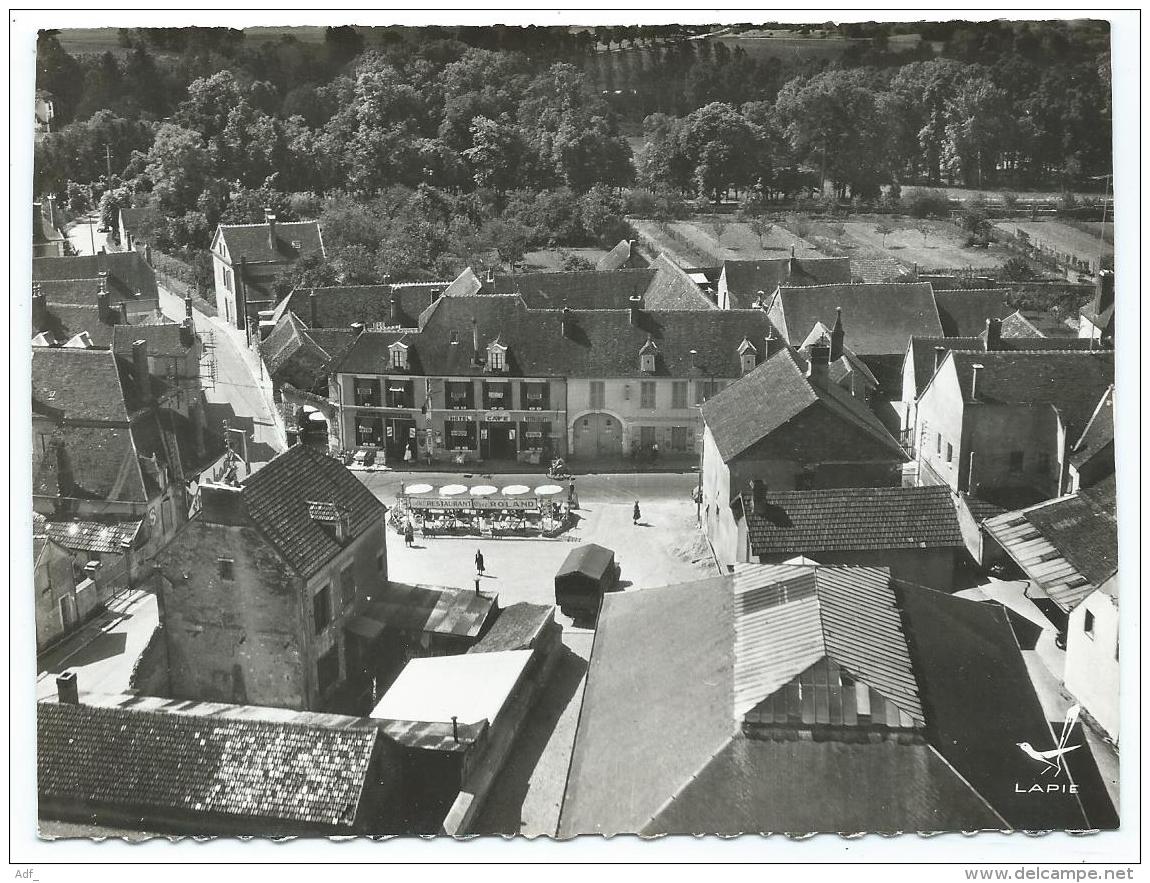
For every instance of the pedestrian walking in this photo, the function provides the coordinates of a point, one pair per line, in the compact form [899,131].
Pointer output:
[408,455]
[479,562]
[636,515]
[408,534]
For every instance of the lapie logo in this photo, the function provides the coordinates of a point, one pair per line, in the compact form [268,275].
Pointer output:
[1053,760]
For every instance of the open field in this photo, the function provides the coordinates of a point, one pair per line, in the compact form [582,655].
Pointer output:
[696,243]
[550,260]
[941,248]
[1061,237]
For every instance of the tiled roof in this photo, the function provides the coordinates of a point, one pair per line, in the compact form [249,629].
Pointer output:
[515,628]
[1072,382]
[773,394]
[84,384]
[293,355]
[745,279]
[251,241]
[757,787]
[853,519]
[342,306]
[102,461]
[599,343]
[788,618]
[1099,432]
[964,311]
[657,704]
[980,704]
[168,763]
[64,321]
[277,495]
[1036,324]
[880,318]
[92,536]
[128,273]
[163,340]
[673,289]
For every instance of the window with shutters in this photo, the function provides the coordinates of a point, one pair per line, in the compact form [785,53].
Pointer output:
[647,394]
[460,395]
[679,394]
[367,392]
[598,394]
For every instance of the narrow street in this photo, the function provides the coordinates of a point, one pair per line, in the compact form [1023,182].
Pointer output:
[84,236]
[240,392]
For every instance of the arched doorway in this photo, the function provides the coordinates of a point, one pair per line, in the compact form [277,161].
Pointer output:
[597,435]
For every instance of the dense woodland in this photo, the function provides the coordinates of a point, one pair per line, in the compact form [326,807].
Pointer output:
[424,149]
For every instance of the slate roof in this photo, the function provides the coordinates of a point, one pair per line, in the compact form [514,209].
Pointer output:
[671,668]
[163,340]
[980,703]
[301,357]
[245,771]
[84,384]
[964,311]
[251,241]
[599,343]
[103,462]
[922,349]
[276,498]
[65,321]
[853,519]
[342,306]
[515,628]
[618,257]
[1032,323]
[1099,432]
[773,394]
[1071,382]
[880,318]
[92,536]
[128,273]
[756,786]
[745,279]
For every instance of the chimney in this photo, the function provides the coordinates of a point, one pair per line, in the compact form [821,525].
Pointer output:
[357,328]
[313,309]
[435,294]
[694,354]
[566,322]
[455,727]
[759,496]
[792,251]
[993,334]
[939,355]
[148,254]
[120,314]
[67,689]
[51,209]
[1104,290]
[475,337]
[188,307]
[140,369]
[770,343]
[837,335]
[490,275]
[817,363]
[761,299]
[393,313]
[39,307]
[975,370]
[270,217]
[636,302]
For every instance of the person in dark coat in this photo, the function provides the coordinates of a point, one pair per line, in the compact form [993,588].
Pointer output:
[636,515]
[409,534]
[479,562]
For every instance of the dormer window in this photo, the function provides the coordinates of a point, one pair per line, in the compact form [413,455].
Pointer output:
[497,357]
[747,356]
[647,357]
[398,353]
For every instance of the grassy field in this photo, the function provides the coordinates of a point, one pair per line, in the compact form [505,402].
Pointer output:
[550,260]
[1061,237]
[697,243]
[942,246]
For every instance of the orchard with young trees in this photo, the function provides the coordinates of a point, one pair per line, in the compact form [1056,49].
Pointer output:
[424,149]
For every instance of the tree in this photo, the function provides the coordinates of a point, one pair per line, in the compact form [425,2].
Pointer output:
[884,231]
[508,238]
[1016,269]
[495,153]
[178,165]
[761,227]
[719,145]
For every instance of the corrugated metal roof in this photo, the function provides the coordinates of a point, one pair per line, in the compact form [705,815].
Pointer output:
[788,617]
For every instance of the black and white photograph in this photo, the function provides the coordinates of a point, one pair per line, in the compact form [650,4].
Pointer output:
[550,425]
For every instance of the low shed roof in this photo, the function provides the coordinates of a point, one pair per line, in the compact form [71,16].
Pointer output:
[590,559]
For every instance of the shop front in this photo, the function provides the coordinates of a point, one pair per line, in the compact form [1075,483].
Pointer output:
[498,437]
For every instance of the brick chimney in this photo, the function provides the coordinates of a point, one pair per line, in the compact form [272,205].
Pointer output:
[994,334]
[475,338]
[939,355]
[837,335]
[770,343]
[103,301]
[270,218]
[818,362]
[636,307]
[759,496]
[188,326]
[566,322]
[140,369]
[67,688]
[393,311]
[975,370]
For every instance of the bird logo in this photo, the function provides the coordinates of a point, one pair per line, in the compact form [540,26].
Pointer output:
[1052,760]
